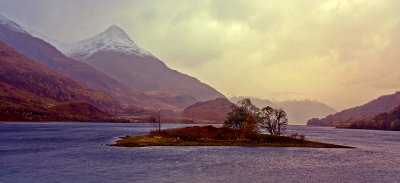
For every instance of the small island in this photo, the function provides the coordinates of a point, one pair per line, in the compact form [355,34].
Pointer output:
[213,136]
[241,128]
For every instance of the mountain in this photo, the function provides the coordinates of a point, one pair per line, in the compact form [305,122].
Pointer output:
[298,111]
[31,91]
[385,121]
[12,25]
[380,105]
[47,55]
[212,111]
[260,103]
[114,53]
[113,39]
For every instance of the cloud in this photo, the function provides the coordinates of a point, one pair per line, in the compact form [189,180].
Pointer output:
[325,49]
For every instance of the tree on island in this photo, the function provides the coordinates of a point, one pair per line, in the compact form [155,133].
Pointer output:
[240,113]
[155,117]
[267,119]
[273,120]
[250,126]
[247,117]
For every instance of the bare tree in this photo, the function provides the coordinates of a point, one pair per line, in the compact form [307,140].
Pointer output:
[267,119]
[273,120]
[155,117]
[281,121]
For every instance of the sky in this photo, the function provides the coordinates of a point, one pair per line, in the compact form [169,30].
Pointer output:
[341,52]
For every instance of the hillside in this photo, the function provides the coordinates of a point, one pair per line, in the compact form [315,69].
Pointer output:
[47,55]
[114,53]
[29,89]
[385,121]
[213,111]
[380,105]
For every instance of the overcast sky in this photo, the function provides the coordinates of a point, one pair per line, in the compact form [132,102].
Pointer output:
[341,52]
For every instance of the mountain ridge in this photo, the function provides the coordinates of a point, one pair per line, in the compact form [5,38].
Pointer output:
[135,67]
[375,107]
[14,26]
[46,54]
[112,39]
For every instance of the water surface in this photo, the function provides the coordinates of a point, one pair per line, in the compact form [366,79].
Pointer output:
[77,152]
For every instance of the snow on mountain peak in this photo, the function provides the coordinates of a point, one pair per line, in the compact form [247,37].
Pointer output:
[115,34]
[116,30]
[112,39]
[12,25]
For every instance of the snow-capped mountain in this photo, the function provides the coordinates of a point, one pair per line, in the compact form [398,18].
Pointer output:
[12,25]
[289,96]
[113,52]
[33,45]
[113,39]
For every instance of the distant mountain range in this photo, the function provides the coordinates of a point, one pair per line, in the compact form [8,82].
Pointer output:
[110,75]
[375,107]
[299,111]
[114,65]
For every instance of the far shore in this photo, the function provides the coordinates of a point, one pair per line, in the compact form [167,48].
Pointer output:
[126,122]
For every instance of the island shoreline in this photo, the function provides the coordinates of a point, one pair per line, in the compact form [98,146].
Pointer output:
[212,136]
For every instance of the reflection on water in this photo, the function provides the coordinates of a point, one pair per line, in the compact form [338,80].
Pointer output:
[65,152]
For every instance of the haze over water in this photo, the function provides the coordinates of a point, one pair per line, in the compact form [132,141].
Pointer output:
[61,152]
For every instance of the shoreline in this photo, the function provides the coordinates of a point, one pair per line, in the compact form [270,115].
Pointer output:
[74,122]
[146,141]
[109,122]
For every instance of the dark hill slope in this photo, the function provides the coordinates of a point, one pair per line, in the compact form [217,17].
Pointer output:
[380,105]
[214,110]
[27,87]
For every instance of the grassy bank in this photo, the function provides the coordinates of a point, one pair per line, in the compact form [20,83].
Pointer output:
[212,136]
